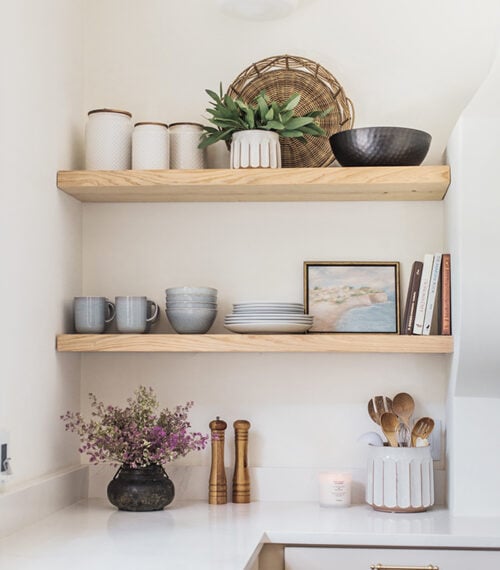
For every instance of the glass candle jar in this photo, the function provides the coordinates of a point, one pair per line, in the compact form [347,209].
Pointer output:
[184,151]
[335,489]
[150,146]
[108,140]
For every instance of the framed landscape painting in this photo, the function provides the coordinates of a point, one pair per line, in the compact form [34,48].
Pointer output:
[352,296]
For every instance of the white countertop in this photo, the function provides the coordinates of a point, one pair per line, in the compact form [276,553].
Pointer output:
[93,535]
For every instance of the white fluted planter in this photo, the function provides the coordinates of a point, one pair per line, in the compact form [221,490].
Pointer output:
[255,149]
[400,479]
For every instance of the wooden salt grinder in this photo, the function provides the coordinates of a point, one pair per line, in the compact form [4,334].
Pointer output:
[217,487]
[241,477]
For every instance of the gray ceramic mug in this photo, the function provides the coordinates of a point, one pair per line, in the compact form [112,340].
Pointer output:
[135,314]
[92,314]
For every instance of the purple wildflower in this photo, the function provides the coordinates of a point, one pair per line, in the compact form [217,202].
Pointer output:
[137,435]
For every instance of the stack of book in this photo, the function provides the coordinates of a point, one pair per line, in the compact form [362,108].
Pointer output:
[428,303]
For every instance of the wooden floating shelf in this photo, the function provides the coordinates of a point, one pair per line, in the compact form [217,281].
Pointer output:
[382,183]
[255,343]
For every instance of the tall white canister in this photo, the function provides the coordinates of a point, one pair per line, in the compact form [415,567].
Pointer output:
[184,151]
[150,146]
[108,140]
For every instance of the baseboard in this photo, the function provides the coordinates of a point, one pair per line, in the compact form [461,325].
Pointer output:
[27,503]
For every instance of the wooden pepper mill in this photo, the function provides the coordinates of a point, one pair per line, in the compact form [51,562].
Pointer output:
[217,487]
[241,477]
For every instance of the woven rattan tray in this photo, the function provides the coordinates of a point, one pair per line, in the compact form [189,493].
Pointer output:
[281,76]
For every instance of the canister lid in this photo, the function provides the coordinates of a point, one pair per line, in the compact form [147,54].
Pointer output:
[110,111]
[151,123]
[186,123]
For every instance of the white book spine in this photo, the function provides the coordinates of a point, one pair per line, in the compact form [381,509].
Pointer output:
[423,291]
[431,298]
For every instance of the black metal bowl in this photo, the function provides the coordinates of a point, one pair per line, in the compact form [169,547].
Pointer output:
[380,146]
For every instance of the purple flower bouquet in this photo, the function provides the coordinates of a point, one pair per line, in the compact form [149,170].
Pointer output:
[136,436]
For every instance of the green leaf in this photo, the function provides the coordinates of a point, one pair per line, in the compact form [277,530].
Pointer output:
[286,116]
[262,107]
[230,104]
[291,103]
[269,115]
[297,122]
[291,134]
[250,117]
[243,106]
[213,95]
[228,123]
[216,137]
[210,129]
[313,130]
[276,125]
[319,114]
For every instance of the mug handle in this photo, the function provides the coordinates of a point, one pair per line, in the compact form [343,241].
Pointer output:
[156,313]
[111,311]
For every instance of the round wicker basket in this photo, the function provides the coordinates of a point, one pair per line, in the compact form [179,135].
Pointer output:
[281,76]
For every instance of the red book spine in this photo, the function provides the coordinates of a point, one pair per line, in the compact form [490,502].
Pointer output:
[445,305]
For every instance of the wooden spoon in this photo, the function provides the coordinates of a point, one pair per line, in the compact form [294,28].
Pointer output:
[422,428]
[377,406]
[389,422]
[403,406]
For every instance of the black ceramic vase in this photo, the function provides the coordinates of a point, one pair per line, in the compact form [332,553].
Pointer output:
[141,489]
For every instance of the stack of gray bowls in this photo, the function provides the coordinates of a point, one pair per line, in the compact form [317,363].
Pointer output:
[191,310]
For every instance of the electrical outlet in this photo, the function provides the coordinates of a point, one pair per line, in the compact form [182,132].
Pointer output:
[4,452]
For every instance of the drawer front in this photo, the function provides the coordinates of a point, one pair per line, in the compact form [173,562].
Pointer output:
[314,558]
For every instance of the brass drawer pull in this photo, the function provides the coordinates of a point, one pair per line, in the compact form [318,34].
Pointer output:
[385,567]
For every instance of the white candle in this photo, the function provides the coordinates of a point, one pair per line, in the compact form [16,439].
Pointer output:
[335,489]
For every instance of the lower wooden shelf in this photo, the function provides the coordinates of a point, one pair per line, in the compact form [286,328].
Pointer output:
[254,343]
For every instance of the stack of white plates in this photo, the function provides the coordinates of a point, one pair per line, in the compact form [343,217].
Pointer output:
[268,317]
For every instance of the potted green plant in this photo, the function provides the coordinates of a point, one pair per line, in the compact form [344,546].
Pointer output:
[139,438]
[253,130]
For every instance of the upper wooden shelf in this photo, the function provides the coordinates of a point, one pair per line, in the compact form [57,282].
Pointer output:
[258,185]
[254,343]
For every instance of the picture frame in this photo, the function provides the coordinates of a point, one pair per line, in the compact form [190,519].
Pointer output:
[353,296]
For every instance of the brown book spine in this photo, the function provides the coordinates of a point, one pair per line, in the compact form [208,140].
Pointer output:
[445,304]
[411,297]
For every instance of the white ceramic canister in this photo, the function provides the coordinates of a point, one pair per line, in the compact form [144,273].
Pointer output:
[184,151]
[255,148]
[108,140]
[150,146]
[400,479]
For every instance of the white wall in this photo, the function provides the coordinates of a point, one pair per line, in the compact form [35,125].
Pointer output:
[41,102]
[401,65]
[306,409]
[474,237]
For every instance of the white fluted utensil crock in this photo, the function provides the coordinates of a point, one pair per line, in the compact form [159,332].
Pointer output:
[255,149]
[400,479]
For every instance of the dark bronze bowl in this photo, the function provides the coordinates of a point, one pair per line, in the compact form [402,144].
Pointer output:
[380,146]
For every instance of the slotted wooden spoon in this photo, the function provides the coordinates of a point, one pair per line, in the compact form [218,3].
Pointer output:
[422,429]
[377,406]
